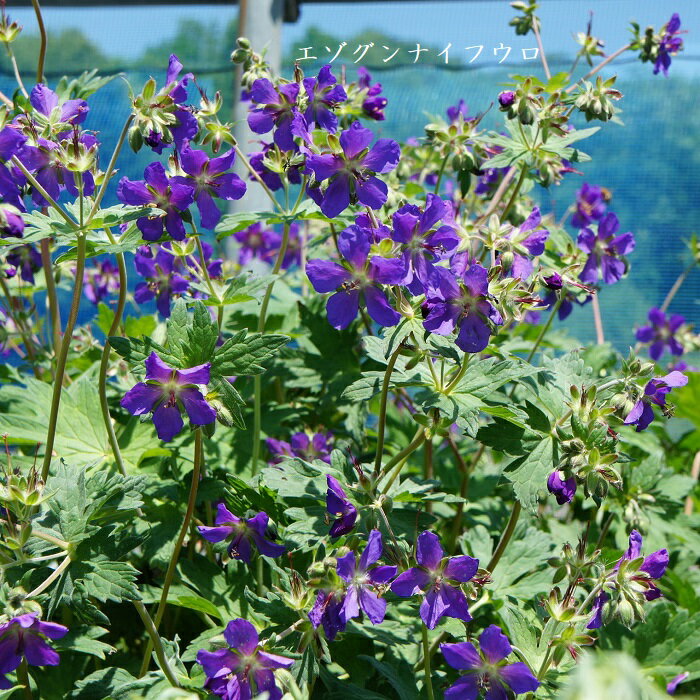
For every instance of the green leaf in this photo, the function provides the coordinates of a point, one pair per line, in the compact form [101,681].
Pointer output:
[202,335]
[136,350]
[244,353]
[227,401]
[399,674]
[106,580]
[195,602]
[233,223]
[85,640]
[529,473]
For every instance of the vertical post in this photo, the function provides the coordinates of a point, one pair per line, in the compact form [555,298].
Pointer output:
[260,21]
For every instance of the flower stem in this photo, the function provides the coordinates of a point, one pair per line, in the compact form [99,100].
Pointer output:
[418,440]
[52,297]
[597,320]
[35,184]
[63,355]
[536,30]
[545,328]
[156,642]
[21,328]
[56,573]
[259,180]
[426,663]
[170,573]
[514,196]
[381,427]
[441,172]
[104,362]
[110,169]
[676,286]
[505,538]
[15,68]
[23,678]
[44,40]
[257,380]
[600,66]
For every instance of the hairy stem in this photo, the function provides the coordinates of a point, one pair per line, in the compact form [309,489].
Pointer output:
[441,172]
[381,426]
[597,320]
[56,573]
[21,328]
[110,168]
[35,184]
[170,573]
[514,195]
[51,295]
[600,66]
[23,678]
[505,538]
[676,286]
[426,663]
[104,362]
[257,380]
[258,179]
[44,41]
[63,354]
[536,30]
[156,642]
[418,440]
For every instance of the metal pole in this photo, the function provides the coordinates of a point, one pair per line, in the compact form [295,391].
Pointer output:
[260,21]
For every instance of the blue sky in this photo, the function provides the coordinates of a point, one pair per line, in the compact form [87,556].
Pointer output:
[126,32]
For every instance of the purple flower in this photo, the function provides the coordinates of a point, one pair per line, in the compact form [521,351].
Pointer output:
[660,333]
[351,173]
[460,109]
[44,160]
[24,259]
[652,568]
[301,445]
[243,533]
[654,393]
[487,670]
[373,103]
[186,126]
[675,682]
[25,636]
[364,276]
[326,611]
[162,275]
[242,670]
[324,95]
[461,303]
[605,250]
[255,242]
[438,578]
[529,238]
[158,190]
[563,489]
[270,177]
[101,280]
[209,179]
[45,101]
[337,504]
[165,391]
[424,241]
[360,579]
[590,205]
[277,108]
[670,45]
[489,180]
[11,222]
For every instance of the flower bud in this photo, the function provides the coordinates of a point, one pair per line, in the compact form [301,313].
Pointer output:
[506,98]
